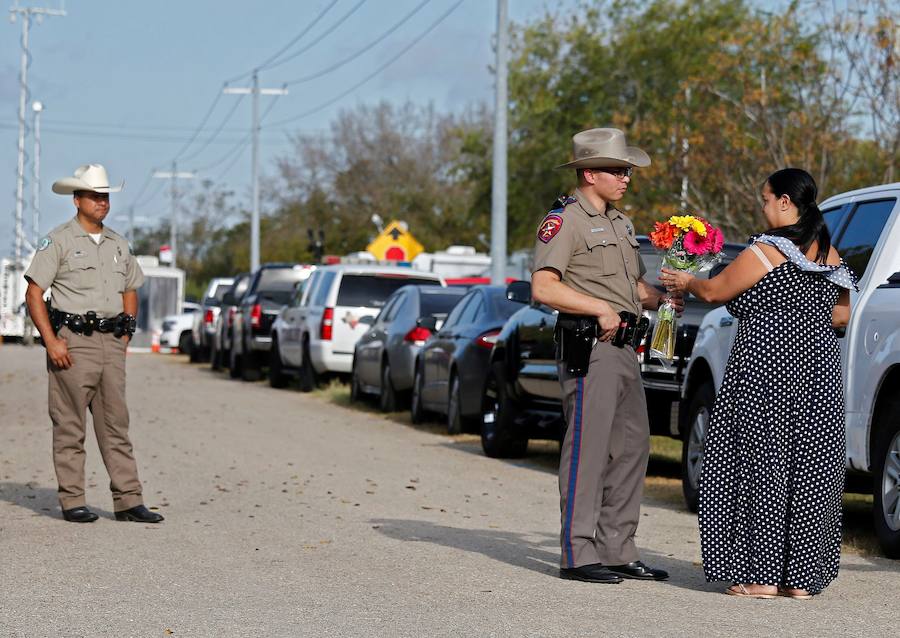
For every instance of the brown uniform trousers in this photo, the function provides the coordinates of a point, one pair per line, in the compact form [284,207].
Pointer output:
[604,458]
[96,380]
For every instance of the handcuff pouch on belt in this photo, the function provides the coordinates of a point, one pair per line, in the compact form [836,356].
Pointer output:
[577,334]
[120,325]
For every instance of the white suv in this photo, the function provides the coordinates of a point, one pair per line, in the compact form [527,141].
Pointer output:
[315,334]
[865,229]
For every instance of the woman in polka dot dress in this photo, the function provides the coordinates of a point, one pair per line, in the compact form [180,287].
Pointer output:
[773,469]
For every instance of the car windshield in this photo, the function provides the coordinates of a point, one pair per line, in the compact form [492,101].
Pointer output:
[215,299]
[280,280]
[372,291]
[438,303]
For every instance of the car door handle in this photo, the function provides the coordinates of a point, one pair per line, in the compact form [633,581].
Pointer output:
[726,321]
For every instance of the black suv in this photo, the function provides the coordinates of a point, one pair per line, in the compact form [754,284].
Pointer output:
[522,394]
[270,288]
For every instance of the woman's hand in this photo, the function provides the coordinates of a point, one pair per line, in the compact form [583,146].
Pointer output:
[676,280]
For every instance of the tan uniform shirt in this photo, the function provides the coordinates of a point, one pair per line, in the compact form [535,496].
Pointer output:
[595,253]
[85,275]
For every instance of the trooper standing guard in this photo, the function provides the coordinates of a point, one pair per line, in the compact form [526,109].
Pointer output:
[587,266]
[86,329]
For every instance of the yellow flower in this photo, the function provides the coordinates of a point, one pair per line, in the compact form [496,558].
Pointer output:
[699,227]
[682,222]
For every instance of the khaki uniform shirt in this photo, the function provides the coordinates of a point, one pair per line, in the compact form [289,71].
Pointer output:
[595,253]
[85,275]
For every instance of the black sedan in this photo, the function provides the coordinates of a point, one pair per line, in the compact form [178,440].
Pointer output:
[450,369]
[384,357]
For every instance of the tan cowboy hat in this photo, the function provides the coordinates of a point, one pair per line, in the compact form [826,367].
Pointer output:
[90,177]
[604,147]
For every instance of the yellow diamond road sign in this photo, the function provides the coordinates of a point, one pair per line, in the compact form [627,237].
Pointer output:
[395,244]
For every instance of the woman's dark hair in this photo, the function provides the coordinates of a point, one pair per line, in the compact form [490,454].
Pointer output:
[801,188]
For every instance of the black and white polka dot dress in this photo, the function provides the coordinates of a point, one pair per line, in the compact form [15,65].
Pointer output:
[773,470]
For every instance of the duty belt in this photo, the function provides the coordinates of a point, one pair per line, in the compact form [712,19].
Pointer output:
[577,334]
[88,323]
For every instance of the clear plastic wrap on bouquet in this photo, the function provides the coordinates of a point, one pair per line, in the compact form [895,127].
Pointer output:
[691,245]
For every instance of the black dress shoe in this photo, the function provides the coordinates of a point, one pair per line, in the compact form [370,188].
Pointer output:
[595,573]
[139,514]
[638,571]
[79,515]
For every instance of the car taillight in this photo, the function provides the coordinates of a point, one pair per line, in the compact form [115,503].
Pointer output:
[231,312]
[256,316]
[327,327]
[208,316]
[487,339]
[418,335]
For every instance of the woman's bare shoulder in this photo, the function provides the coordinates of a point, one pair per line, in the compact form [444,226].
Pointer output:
[834,258]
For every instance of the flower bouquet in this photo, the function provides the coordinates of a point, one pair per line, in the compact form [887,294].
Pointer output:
[693,245]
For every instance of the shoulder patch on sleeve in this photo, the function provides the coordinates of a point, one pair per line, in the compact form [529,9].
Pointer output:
[45,243]
[549,227]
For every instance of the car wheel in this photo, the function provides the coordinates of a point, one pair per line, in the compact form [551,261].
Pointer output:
[277,376]
[886,477]
[417,411]
[185,344]
[234,364]
[215,356]
[457,423]
[693,443]
[356,393]
[196,353]
[500,436]
[251,370]
[387,400]
[307,373]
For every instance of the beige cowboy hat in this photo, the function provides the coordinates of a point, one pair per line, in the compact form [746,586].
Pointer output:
[604,147]
[90,177]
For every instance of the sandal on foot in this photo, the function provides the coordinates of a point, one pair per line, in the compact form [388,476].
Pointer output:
[742,592]
[787,594]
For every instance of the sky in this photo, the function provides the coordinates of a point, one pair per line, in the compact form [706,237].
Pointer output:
[126,84]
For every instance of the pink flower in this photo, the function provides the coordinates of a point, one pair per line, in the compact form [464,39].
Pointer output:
[715,240]
[695,244]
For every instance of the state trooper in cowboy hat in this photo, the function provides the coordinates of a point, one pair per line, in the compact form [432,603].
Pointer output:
[93,278]
[587,266]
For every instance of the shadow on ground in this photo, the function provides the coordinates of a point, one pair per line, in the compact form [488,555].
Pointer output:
[40,500]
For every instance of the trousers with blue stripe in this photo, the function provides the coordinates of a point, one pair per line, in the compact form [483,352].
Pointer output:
[603,459]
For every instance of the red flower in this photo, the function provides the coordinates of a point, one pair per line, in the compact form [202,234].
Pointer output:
[663,235]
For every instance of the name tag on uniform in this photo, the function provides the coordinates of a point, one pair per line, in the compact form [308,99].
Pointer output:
[597,230]
[79,253]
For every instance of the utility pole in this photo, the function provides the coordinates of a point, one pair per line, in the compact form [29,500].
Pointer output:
[254,91]
[498,184]
[26,14]
[37,108]
[174,175]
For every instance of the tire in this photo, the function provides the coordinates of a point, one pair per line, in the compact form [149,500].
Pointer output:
[251,370]
[196,352]
[457,423]
[500,436]
[356,393]
[277,376]
[186,344]
[693,442]
[215,356]
[387,400]
[308,379]
[418,414]
[886,479]
[234,364]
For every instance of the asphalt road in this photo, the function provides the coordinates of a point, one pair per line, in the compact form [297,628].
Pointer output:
[287,515]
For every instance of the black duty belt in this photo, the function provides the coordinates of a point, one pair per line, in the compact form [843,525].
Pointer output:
[576,335]
[120,325]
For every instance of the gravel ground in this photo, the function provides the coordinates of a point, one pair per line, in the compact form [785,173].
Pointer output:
[288,515]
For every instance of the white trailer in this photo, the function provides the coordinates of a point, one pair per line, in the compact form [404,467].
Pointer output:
[161,294]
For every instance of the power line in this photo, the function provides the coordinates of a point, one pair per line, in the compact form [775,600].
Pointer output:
[327,32]
[217,131]
[200,127]
[356,54]
[403,51]
[293,41]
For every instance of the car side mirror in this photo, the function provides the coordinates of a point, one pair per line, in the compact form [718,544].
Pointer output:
[519,291]
[368,320]
[429,323]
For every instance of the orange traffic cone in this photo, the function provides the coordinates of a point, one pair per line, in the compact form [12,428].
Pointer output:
[154,342]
